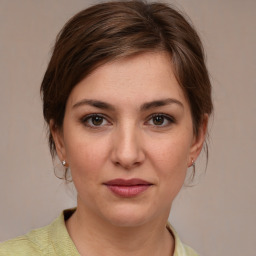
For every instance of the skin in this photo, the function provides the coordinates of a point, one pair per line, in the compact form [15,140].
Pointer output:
[126,142]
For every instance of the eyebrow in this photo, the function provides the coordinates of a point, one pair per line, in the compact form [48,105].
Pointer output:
[144,107]
[160,103]
[94,103]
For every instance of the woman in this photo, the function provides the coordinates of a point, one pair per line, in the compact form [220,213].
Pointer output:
[127,99]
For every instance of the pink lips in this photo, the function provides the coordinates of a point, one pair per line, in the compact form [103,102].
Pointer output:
[127,188]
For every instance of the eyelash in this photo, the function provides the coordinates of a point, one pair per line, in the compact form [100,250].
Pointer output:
[169,119]
[85,120]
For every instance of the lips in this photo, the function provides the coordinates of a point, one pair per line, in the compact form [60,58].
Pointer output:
[128,188]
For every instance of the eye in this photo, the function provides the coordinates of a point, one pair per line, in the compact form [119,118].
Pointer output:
[95,120]
[161,120]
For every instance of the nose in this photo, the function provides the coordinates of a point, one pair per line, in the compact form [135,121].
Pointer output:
[127,151]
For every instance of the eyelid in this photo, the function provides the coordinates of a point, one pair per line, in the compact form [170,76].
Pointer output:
[85,119]
[169,118]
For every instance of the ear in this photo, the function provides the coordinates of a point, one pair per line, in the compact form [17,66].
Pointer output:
[57,135]
[198,141]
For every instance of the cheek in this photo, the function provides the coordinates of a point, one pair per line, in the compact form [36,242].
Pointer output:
[172,167]
[171,153]
[86,156]
[170,160]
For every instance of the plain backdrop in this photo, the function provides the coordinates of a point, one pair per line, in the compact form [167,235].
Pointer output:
[218,215]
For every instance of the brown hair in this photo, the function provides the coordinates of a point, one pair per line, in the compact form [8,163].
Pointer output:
[118,29]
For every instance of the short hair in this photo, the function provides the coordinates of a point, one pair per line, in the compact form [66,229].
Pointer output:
[117,29]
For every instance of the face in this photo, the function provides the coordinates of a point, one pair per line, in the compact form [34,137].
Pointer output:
[128,139]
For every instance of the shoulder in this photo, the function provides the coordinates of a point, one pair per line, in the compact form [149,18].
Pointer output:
[33,243]
[189,251]
[36,242]
[180,248]
[51,240]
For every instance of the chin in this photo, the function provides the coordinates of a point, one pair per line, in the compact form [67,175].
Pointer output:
[129,216]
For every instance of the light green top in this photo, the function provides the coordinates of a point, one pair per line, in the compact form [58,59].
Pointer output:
[54,240]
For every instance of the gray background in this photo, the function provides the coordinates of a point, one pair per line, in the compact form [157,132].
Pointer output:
[218,215]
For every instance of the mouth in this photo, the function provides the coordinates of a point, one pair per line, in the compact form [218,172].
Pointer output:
[127,188]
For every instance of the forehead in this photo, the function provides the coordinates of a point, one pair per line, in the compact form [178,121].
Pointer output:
[131,80]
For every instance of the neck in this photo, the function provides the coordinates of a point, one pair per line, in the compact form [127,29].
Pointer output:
[92,236]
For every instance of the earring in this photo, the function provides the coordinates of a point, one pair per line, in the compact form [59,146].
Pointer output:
[64,163]
[193,164]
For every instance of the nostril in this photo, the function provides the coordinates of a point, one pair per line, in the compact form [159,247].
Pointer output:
[126,165]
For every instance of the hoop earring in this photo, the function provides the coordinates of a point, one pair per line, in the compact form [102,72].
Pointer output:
[66,176]
[194,166]
[64,163]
